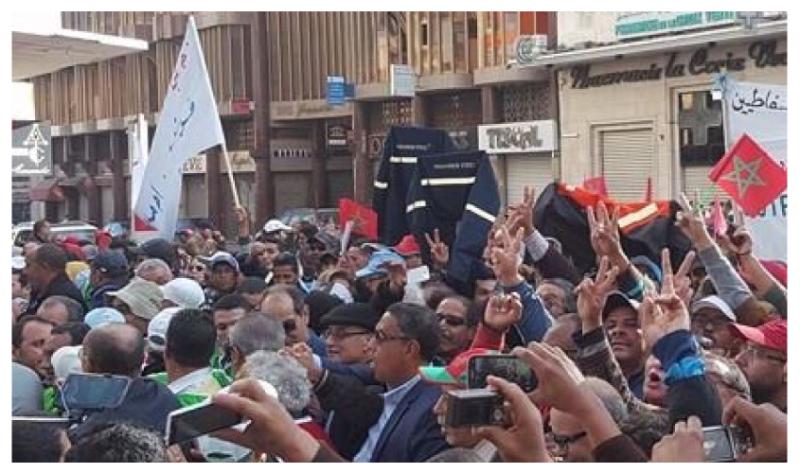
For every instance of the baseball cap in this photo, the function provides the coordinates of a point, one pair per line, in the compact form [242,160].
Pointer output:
[91,252]
[408,246]
[112,263]
[777,269]
[651,269]
[221,257]
[356,314]
[770,335]
[455,372]
[157,329]
[276,225]
[618,299]
[184,292]
[376,262]
[143,297]
[716,303]
[65,361]
[103,316]
[158,248]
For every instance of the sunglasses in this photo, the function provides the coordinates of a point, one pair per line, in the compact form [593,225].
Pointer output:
[451,320]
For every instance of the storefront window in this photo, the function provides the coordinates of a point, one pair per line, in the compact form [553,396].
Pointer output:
[700,129]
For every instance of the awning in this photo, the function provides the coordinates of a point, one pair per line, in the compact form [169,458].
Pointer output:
[47,191]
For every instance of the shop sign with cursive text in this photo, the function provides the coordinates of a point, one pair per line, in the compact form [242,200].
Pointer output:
[762,54]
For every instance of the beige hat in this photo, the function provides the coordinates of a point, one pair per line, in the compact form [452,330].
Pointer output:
[143,297]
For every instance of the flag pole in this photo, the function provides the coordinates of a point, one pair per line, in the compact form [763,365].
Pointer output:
[230,176]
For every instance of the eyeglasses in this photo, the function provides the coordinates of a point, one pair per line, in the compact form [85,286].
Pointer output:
[381,337]
[451,320]
[760,353]
[341,334]
[564,441]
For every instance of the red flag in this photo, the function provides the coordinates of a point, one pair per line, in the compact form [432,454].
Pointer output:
[596,185]
[648,194]
[365,220]
[749,175]
[718,221]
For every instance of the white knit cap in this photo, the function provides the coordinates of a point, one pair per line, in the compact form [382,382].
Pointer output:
[66,360]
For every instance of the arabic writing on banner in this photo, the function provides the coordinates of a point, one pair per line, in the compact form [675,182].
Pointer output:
[760,111]
[189,123]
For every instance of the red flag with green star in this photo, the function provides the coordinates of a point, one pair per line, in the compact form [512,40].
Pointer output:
[749,175]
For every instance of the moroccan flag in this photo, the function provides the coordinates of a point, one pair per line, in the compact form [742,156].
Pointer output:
[749,175]
[365,220]
[596,185]
[645,227]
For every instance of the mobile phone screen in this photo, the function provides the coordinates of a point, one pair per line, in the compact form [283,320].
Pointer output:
[192,422]
[88,391]
[717,444]
[507,367]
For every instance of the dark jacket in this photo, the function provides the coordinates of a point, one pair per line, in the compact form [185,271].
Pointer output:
[60,286]
[146,404]
[618,449]
[354,407]
[99,294]
[412,433]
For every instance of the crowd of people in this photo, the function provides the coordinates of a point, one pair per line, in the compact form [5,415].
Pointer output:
[362,343]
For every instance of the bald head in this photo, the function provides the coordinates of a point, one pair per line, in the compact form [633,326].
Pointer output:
[279,304]
[560,333]
[113,349]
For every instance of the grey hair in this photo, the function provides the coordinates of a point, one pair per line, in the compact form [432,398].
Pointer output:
[257,331]
[286,374]
[118,443]
[610,398]
[74,309]
[456,455]
[151,264]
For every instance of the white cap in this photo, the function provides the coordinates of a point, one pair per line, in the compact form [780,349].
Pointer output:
[716,303]
[276,225]
[66,360]
[157,329]
[184,292]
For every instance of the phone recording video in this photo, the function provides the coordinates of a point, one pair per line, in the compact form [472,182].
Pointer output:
[508,367]
[724,443]
[194,421]
[93,391]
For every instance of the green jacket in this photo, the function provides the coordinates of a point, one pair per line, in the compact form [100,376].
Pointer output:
[190,399]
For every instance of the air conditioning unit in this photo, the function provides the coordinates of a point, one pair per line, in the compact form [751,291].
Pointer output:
[529,47]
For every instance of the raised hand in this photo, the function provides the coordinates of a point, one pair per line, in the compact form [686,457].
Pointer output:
[592,295]
[767,424]
[506,259]
[439,250]
[522,214]
[559,378]
[604,231]
[666,312]
[692,224]
[305,356]
[503,311]
[523,440]
[682,282]
[685,444]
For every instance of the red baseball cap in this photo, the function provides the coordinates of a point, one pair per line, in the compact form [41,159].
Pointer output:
[777,269]
[408,246]
[770,335]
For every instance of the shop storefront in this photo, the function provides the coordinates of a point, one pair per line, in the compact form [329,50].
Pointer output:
[523,154]
[657,115]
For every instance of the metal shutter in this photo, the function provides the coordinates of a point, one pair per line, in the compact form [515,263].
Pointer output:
[526,170]
[696,178]
[627,158]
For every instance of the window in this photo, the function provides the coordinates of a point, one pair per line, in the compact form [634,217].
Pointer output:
[700,129]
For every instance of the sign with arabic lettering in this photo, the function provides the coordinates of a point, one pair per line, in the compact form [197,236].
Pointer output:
[31,150]
[760,110]
[762,54]
[638,24]
[519,137]
[189,123]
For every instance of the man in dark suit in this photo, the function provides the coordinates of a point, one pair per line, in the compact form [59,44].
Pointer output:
[406,337]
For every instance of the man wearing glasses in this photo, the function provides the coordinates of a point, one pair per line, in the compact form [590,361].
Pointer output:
[763,361]
[458,324]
